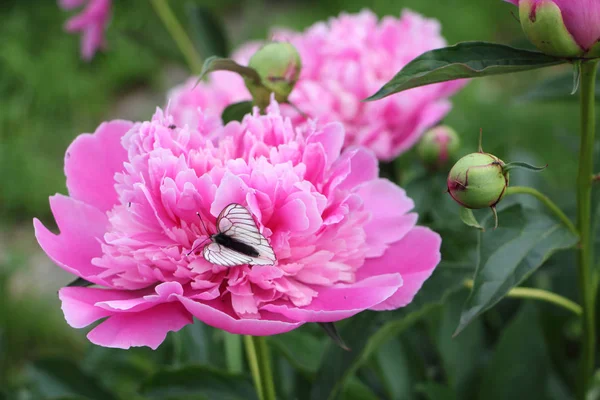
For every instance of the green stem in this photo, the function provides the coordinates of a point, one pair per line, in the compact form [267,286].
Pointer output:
[266,370]
[233,352]
[162,9]
[254,366]
[587,287]
[547,202]
[542,295]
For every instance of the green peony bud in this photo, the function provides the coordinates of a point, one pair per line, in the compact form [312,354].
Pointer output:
[438,146]
[278,65]
[478,180]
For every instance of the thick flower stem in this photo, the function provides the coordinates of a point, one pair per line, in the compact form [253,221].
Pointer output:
[252,355]
[259,360]
[587,287]
[547,202]
[162,9]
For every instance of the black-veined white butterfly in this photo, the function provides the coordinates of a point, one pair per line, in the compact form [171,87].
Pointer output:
[238,241]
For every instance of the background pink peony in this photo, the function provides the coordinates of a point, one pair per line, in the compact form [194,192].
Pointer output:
[344,238]
[345,60]
[91,22]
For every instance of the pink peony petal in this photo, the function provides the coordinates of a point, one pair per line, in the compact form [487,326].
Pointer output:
[343,301]
[91,162]
[414,257]
[213,315]
[81,230]
[79,304]
[145,328]
[582,19]
[389,222]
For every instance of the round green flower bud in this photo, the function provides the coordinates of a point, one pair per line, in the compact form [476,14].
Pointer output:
[478,180]
[543,24]
[438,146]
[278,65]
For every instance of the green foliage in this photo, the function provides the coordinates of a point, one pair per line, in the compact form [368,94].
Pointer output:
[464,60]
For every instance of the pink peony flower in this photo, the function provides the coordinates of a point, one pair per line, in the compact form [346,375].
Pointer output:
[580,26]
[348,59]
[344,239]
[91,22]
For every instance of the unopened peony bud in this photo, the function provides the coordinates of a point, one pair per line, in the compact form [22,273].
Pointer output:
[562,28]
[278,65]
[478,180]
[438,146]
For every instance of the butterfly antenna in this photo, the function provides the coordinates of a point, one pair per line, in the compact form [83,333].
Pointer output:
[200,245]
[202,222]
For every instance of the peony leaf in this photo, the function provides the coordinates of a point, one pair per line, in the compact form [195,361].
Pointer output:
[436,391]
[236,111]
[207,31]
[467,216]
[576,76]
[197,382]
[520,366]
[464,60]
[354,389]
[226,64]
[80,282]
[510,254]
[61,377]
[300,348]
[332,332]
[522,165]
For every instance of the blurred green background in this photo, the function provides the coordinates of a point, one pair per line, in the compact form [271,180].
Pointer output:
[48,95]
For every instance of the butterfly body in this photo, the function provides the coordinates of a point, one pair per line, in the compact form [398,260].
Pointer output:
[234,245]
[238,240]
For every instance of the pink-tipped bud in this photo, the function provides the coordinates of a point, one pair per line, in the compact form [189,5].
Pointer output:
[438,146]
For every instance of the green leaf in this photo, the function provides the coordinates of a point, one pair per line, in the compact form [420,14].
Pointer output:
[300,348]
[80,282]
[522,165]
[464,60]
[332,332]
[363,335]
[356,390]
[576,76]
[197,382]
[207,31]
[236,111]
[436,391]
[519,368]
[461,356]
[397,370]
[510,254]
[194,344]
[61,377]
[467,216]
[226,64]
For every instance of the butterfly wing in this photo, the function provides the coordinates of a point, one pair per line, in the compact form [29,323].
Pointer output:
[221,255]
[236,222]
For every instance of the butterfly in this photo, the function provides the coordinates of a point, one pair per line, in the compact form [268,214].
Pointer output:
[238,240]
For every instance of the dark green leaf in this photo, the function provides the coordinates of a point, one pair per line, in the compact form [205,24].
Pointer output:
[332,332]
[80,282]
[236,111]
[364,336]
[356,390]
[397,370]
[464,60]
[467,216]
[61,377]
[226,64]
[519,368]
[207,31]
[436,391]
[300,348]
[197,382]
[510,254]
[461,356]
[194,344]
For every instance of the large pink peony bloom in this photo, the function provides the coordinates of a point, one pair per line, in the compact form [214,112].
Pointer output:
[345,240]
[348,59]
[91,22]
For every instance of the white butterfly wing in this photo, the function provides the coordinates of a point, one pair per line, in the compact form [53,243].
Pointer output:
[236,222]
